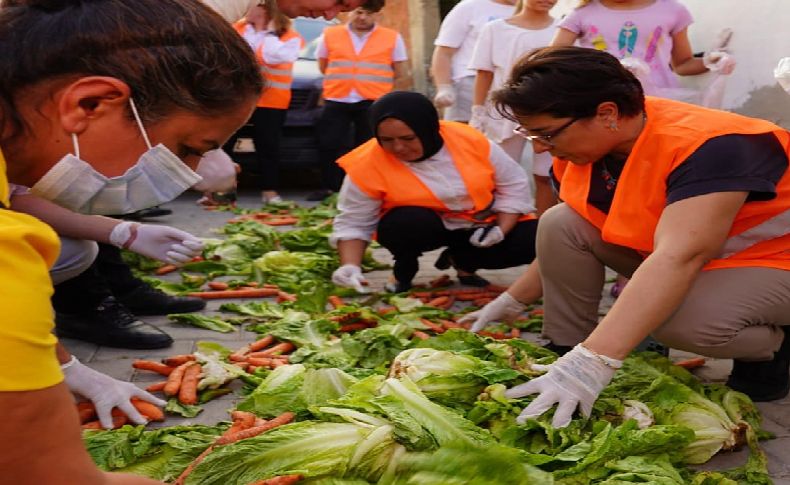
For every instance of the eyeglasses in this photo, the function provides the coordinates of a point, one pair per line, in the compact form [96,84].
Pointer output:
[546,137]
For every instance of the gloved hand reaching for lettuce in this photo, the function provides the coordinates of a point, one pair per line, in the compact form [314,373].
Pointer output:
[105,392]
[350,276]
[502,308]
[164,243]
[574,380]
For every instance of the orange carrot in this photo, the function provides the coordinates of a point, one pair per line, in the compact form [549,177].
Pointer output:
[281,480]
[218,285]
[148,410]
[152,366]
[536,312]
[515,333]
[450,324]
[187,394]
[446,305]
[283,296]
[177,360]
[197,259]
[251,284]
[352,327]
[181,478]
[482,301]
[156,387]
[239,355]
[496,335]
[86,411]
[421,335]
[442,280]
[438,302]
[260,361]
[433,326]
[163,270]
[691,363]
[385,310]
[271,285]
[281,221]
[280,420]
[244,417]
[261,343]
[281,348]
[243,293]
[175,378]
[470,296]
[335,301]
[421,294]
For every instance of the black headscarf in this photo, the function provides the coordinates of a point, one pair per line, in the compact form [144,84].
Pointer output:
[416,111]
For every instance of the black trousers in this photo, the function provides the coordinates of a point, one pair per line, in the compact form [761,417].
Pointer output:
[107,276]
[267,137]
[407,232]
[341,128]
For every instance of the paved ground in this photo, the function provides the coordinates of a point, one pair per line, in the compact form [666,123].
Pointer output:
[188,216]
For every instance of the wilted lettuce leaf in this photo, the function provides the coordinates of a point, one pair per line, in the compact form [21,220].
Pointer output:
[203,321]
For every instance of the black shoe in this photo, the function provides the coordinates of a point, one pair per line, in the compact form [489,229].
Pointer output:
[146,300]
[110,324]
[319,195]
[473,280]
[764,381]
[154,211]
[558,349]
[397,287]
[443,261]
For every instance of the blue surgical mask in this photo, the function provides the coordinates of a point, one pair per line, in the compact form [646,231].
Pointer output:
[159,176]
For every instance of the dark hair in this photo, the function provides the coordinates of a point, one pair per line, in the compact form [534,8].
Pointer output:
[373,6]
[568,82]
[173,54]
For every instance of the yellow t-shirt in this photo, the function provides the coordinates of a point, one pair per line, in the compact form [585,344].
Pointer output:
[28,248]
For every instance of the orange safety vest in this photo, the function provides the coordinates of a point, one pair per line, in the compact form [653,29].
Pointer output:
[760,234]
[383,177]
[277,77]
[370,73]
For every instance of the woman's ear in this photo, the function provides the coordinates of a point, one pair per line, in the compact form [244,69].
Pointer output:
[607,113]
[90,98]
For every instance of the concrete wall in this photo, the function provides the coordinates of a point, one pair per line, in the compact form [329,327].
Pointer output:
[761,37]
[418,23]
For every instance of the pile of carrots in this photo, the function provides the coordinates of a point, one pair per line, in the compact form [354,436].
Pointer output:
[281,217]
[352,321]
[265,352]
[87,413]
[442,325]
[183,374]
[444,299]
[245,425]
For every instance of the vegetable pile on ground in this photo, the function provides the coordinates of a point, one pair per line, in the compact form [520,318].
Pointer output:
[392,390]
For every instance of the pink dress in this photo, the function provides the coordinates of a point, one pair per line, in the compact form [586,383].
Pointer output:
[644,33]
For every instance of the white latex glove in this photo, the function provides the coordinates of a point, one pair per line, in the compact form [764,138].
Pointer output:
[218,172]
[782,73]
[479,118]
[718,61]
[502,308]
[445,96]
[484,237]
[350,276]
[105,392]
[575,379]
[159,242]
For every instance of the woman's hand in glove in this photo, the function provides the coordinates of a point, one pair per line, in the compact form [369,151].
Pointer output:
[218,172]
[159,242]
[574,380]
[350,276]
[445,96]
[502,308]
[105,392]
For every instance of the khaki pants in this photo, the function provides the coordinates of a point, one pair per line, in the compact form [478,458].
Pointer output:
[728,313]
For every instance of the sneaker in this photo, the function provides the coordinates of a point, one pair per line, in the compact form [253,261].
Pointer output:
[767,380]
[473,280]
[111,325]
[154,211]
[397,287]
[146,300]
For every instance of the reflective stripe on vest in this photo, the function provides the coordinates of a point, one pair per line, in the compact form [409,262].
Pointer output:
[760,233]
[383,177]
[278,77]
[370,72]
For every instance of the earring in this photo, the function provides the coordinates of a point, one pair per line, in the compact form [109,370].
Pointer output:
[613,126]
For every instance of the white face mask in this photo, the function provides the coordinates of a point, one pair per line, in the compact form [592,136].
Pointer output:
[159,176]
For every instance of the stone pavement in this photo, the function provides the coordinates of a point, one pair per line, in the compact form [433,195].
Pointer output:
[188,216]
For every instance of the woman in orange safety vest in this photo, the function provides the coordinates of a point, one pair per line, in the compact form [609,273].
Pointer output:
[693,203]
[276,45]
[422,184]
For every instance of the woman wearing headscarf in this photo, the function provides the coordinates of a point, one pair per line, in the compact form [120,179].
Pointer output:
[422,184]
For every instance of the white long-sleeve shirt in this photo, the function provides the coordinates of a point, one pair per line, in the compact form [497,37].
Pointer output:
[275,51]
[360,213]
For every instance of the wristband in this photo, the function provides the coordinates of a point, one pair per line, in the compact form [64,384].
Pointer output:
[609,362]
